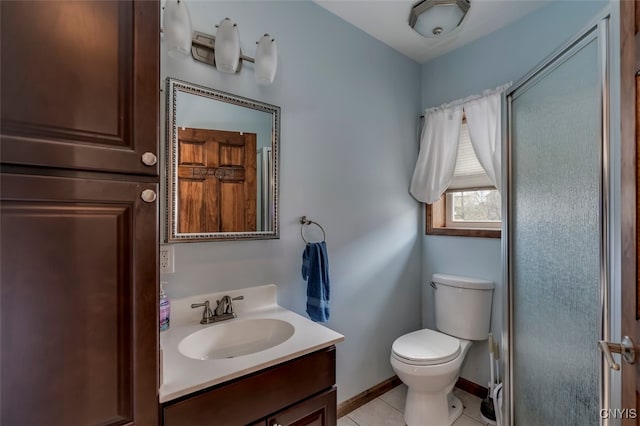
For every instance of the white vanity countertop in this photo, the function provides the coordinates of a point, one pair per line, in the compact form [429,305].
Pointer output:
[182,375]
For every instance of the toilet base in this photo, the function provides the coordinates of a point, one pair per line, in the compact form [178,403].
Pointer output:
[431,409]
[455,408]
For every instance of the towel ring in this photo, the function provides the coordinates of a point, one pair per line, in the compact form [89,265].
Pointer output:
[304,221]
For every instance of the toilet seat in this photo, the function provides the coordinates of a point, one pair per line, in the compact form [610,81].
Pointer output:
[426,347]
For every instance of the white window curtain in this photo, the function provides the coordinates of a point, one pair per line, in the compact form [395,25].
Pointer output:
[484,119]
[439,143]
[438,151]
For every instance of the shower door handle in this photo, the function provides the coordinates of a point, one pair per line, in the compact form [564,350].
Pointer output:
[624,348]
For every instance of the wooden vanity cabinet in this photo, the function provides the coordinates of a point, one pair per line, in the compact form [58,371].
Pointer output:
[299,392]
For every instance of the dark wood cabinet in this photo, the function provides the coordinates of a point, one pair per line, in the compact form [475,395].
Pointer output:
[79,244]
[299,392]
[80,84]
[78,319]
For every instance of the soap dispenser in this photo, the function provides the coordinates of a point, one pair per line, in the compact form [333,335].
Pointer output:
[165,308]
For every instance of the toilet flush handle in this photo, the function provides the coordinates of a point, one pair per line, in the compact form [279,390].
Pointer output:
[432,284]
[625,348]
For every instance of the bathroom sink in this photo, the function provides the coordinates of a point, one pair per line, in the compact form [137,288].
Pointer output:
[235,338]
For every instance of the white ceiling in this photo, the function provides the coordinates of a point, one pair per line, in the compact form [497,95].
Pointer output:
[388,21]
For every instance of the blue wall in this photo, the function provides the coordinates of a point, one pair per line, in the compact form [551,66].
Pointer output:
[349,107]
[348,147]
[505,55]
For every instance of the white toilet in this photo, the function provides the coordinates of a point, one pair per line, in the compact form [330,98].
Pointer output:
[429,361]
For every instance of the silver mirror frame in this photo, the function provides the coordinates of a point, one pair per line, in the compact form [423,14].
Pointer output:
[171,211]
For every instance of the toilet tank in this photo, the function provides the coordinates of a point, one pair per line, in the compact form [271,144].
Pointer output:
[463,306]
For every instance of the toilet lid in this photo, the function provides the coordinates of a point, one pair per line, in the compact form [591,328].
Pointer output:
[426,347]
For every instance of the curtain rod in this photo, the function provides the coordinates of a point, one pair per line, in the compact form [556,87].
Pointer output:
[464,116]
[462,101]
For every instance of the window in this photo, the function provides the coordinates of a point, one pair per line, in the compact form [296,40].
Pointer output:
[477,208]
[471,206]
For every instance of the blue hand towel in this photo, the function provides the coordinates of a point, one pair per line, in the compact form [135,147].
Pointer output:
[315,269]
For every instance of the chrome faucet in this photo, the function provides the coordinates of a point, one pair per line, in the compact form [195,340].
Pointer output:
[207,315]
[222,312]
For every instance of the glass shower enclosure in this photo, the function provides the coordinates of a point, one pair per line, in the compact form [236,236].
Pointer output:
[557,245]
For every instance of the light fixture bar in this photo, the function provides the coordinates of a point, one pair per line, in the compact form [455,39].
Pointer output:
[202,49]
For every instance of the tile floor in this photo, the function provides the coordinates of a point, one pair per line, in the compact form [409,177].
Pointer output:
[387,410]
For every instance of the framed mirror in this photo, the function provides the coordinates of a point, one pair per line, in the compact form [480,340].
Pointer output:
[222,165]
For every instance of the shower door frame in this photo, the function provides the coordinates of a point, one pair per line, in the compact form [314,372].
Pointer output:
[597,29]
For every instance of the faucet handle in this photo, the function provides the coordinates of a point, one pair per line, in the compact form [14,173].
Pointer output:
[230,305]
[205,304]
[207,315]
[234,298]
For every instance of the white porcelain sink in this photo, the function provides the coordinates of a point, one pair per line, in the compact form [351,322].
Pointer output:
[235,338]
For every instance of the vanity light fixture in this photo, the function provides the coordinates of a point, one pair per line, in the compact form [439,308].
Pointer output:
[222,50]
[435,18]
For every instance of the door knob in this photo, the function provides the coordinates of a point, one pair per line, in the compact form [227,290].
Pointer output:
[149,159]
[148,195]
[624,348]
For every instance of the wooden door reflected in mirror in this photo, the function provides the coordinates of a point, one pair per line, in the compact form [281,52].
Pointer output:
[216,181]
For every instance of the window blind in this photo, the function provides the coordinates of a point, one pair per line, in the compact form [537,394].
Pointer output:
[468,172]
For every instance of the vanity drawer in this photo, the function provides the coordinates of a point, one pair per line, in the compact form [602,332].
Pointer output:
[319,410]
[250,398]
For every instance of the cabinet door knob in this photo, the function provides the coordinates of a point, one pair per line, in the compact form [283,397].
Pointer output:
[149,159]
[148,195]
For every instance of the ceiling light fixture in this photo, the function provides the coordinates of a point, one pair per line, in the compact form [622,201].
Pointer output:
[435,18]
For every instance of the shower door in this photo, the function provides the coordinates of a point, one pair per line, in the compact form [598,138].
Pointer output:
[557,156]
